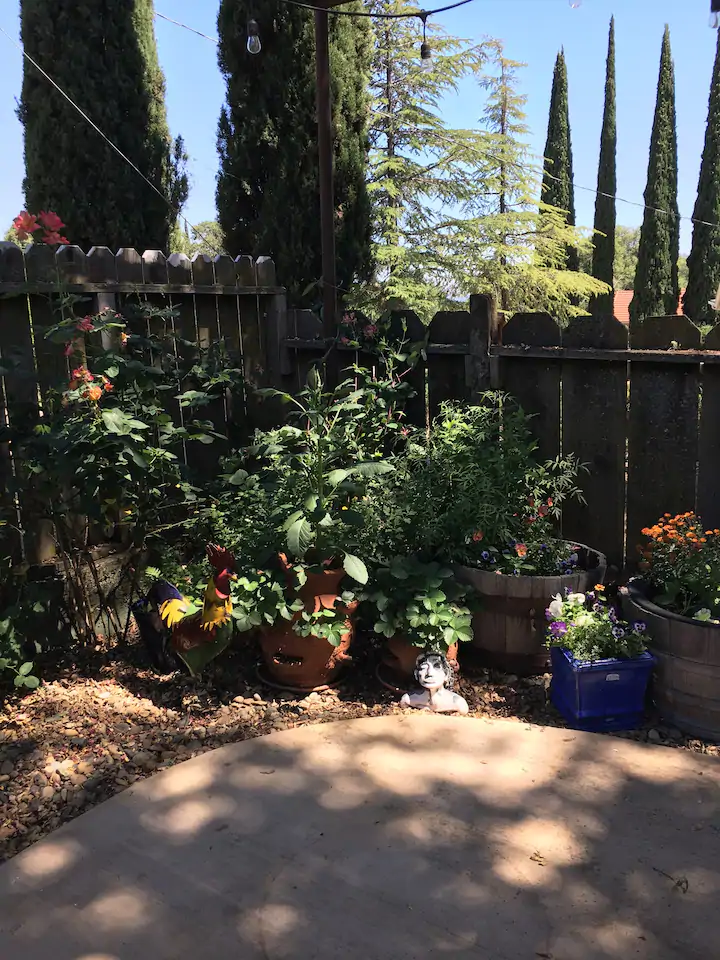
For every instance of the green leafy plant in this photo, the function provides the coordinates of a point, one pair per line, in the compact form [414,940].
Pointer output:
[420,602]
[474,492]
[317,471]
[588,626]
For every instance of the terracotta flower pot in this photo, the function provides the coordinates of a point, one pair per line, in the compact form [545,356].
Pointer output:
[305,663]
[399,656]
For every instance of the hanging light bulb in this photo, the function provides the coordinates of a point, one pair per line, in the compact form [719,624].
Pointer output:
[426,60]
[714,14]
[253,37]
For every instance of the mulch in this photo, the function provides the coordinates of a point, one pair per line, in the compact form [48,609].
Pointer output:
[104,721]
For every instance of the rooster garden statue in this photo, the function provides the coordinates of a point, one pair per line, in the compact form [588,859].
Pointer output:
[197,634]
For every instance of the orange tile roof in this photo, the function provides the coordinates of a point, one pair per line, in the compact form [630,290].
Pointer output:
[622,304]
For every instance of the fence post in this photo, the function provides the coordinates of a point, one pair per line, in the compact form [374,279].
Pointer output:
[482,372]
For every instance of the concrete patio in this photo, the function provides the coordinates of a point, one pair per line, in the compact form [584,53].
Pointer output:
[391,838]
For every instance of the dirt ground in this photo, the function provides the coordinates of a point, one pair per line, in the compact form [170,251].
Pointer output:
[99,724]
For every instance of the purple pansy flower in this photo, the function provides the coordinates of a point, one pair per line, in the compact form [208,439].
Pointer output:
[559,628]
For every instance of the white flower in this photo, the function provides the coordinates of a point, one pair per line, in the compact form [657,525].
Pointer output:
[577,598]
[583,620]
[556,607]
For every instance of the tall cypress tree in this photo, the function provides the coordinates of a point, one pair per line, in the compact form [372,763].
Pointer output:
[656,278]
[704,259]
[268,194]
[102,53]
[604,240]
[557,187]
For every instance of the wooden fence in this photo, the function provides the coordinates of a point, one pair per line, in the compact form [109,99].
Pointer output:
[643,411]
[238,301]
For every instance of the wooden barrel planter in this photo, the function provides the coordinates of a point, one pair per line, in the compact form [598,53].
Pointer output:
[509,628]
[686,688]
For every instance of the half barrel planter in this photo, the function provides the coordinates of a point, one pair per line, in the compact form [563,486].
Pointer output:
[510,629]
[686,687]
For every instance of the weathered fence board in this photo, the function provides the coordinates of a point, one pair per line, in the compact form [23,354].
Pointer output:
[535,382]
[662,444]
[594,428]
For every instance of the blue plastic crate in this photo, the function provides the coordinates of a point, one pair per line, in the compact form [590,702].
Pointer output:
[604,695]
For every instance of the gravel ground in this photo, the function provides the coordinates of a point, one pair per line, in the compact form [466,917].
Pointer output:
[105,721]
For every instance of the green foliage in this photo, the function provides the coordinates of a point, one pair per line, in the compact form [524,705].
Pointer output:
[103,55]
[513,249]
[268,192]
[319,469]
[205,238]
[656,279]
[558,188]
[704,260]
[604,239]
[627,242]
[421,169]
[590,629]
[420,602]
[475,484]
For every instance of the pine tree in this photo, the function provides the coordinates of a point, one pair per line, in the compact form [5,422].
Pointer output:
[704,260]
[558,188]
[422,171]
[268,193]
[604,239]
[656,278]
[513,249]
[102,53]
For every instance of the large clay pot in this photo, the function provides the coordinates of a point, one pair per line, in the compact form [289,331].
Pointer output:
[306,663]
[399,657]
[509,628]
[686,687]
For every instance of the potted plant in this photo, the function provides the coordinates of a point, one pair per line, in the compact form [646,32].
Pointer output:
[600,667]
[678,595]
[475,496]
[311,474]
[419,608]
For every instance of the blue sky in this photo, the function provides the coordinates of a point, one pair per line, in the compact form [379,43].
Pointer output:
[533,31]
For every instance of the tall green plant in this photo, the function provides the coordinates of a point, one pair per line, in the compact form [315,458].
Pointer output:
[558,189]
[656,279]
[512,249]
[421,169]
[268,192]
[604,239]
[704,260]
[102,53]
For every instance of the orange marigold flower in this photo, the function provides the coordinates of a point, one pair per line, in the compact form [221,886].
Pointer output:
[521,549]
[703,539]
[599,587]
[708,533]
[94,393]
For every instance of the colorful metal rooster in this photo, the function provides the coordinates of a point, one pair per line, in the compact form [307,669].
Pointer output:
[191,627]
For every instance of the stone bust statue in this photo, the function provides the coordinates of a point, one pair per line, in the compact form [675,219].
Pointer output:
[435,675]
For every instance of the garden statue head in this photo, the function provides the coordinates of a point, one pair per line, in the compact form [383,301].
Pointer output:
[433,672]
[435,675]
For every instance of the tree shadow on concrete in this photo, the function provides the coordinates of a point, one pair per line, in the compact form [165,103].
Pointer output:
[393,837]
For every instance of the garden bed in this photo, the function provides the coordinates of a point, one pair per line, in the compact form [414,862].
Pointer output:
[94,728]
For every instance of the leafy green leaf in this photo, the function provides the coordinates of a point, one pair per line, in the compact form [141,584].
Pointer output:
[25,669]
[238,478]
[371,469]
[355,568]
[299,537]
[337,476]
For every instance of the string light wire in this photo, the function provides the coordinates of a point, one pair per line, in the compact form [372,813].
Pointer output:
[107,140]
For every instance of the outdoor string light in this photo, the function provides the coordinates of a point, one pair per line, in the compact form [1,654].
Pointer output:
[253,37]
[254,45]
